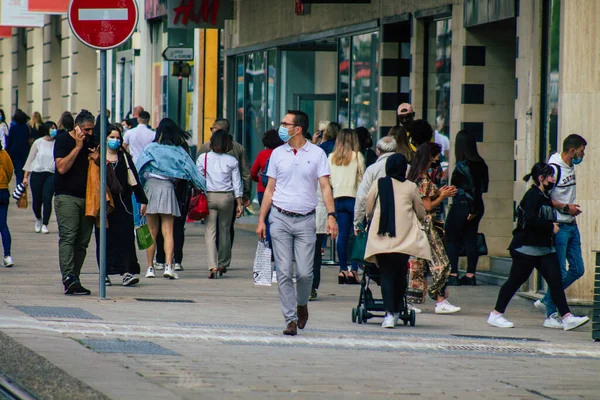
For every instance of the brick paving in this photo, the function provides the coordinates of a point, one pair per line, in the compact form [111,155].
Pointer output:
[229,341]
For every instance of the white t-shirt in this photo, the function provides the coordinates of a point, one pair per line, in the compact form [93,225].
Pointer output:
[297,176]
[138,138]
[41,156]
[222,173]
[443,141]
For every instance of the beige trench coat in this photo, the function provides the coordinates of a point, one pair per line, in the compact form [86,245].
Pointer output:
[410,237]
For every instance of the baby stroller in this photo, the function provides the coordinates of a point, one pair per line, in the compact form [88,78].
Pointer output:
[367,303]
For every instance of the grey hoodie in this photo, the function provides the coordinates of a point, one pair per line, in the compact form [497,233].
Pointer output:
[565,189]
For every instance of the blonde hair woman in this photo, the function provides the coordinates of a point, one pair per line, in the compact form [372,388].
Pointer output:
[34,125]
[329,135]
[347,166]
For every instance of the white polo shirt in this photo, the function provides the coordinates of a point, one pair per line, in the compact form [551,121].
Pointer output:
[138,138]
[297,176]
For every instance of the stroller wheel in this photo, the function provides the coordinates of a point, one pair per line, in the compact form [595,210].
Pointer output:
[359,314]
[413,318]
[354,315]
[405,320]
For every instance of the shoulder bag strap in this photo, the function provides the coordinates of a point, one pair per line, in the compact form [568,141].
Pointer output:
[205,163]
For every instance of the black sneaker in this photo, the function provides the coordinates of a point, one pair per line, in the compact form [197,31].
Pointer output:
[107,281]
[453,281]
[70,283]
[468,281]
[130,280]
[313,295]
[80,290]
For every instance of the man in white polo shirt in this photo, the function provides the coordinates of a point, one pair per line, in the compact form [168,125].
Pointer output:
[139,137]
[294,171]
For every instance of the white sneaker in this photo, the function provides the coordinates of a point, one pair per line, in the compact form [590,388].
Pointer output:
[396,318]
[177,267]
[553,321]
[45,230]
[130,280]
[388,321]
[540,306]
[150,273]
[169,273]
[8,262]
[415,309]
[446,308]
[572,322]
[38,225]
[274,278]
[159,266]
[499,321]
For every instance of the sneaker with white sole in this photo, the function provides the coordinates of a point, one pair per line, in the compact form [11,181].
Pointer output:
[573,322]
[8,262]
[388,321]
[396,318]
[499,321]
[553,321]
[150,273]
[540,306]
[169,273]
[274,278]
[446,308]
[38,225]
[130,280]
[45,230]
[159,266]
[177,267]
[413,308]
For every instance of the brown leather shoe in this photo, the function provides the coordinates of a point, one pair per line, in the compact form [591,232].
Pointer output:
[302,316]
[291,329]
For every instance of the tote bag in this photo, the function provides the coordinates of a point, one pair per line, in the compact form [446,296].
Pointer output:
[199,203]
[143,236]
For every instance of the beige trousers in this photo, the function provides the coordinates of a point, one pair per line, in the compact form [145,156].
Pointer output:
[219,205]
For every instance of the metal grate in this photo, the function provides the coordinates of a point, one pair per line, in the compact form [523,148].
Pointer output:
[57,312]
[482,337]
[127,347]
[491,349]
[167,300]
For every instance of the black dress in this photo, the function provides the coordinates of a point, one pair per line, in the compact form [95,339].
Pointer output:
[121,254]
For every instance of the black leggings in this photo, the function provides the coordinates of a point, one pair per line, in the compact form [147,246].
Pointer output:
[318,260]
[42,191]
[458,229]
[392,269]
[521,269]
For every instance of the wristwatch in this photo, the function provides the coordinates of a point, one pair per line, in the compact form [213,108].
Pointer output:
[332,214]
[565,209]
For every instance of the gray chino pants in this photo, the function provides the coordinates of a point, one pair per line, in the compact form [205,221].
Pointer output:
[293,238]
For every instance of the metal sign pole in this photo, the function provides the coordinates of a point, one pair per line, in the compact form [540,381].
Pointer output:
[103,128]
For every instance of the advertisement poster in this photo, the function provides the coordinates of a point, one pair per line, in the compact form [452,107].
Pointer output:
[48,6]
[15,13]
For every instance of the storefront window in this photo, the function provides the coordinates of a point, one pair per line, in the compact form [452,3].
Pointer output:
[438,74]
[239,97]
[272,90]
[365,81]
[344,81]
[255,102]
[551,47]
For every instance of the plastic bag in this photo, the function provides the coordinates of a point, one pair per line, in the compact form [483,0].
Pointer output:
[262,264]
[143,236]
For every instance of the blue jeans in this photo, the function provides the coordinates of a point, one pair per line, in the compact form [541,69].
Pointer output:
[6,239]
[568,248]
[344,208]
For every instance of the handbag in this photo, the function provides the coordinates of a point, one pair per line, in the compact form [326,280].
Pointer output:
[482,248]
[130,175]
[22,202]
[360,240]
[199,203]
[143,236]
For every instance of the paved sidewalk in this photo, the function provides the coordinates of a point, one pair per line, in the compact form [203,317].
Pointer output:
[225,341]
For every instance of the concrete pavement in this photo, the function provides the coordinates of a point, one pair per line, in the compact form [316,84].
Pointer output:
[222,338]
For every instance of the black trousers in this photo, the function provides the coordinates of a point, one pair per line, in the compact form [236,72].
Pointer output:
[178,239]
[459,229]
[392,269]
[318,260]
[520,271]
[42,191]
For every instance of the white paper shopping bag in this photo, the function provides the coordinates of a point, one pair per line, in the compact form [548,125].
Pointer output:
[262,264]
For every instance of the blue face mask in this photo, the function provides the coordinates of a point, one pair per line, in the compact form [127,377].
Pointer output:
[284,134]
[53,133]
[114,143]
[577,161]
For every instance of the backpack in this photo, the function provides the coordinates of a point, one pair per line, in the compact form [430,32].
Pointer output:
[263,175]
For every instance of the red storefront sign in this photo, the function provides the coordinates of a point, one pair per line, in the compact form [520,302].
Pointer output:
[191,14]
[5,32]
[48,6]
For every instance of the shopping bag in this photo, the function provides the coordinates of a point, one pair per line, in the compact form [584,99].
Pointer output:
[22,202]
[198,207]
[262,264]
[143,236]
[482,248]
[359,246]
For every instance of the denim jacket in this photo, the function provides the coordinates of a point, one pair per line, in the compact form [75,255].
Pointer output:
[171,161]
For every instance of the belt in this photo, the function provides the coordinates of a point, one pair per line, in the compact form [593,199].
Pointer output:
[293,214]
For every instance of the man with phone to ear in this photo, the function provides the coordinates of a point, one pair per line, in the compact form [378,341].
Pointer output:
[567,241]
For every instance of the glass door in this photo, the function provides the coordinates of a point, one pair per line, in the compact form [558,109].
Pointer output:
[318,107]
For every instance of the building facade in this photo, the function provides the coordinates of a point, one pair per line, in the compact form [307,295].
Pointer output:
[510,72]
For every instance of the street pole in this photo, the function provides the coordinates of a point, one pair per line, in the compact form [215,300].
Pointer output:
[179,94]
[103,128]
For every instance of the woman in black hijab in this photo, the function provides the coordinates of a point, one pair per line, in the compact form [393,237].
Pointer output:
[395,210]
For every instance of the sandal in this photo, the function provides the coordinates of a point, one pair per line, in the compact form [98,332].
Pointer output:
[353,278]
[214,273]
[342,278]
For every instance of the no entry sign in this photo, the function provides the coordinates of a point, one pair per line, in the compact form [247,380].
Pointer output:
[103,24]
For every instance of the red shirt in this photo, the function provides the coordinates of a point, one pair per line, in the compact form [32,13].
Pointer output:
[258,167]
